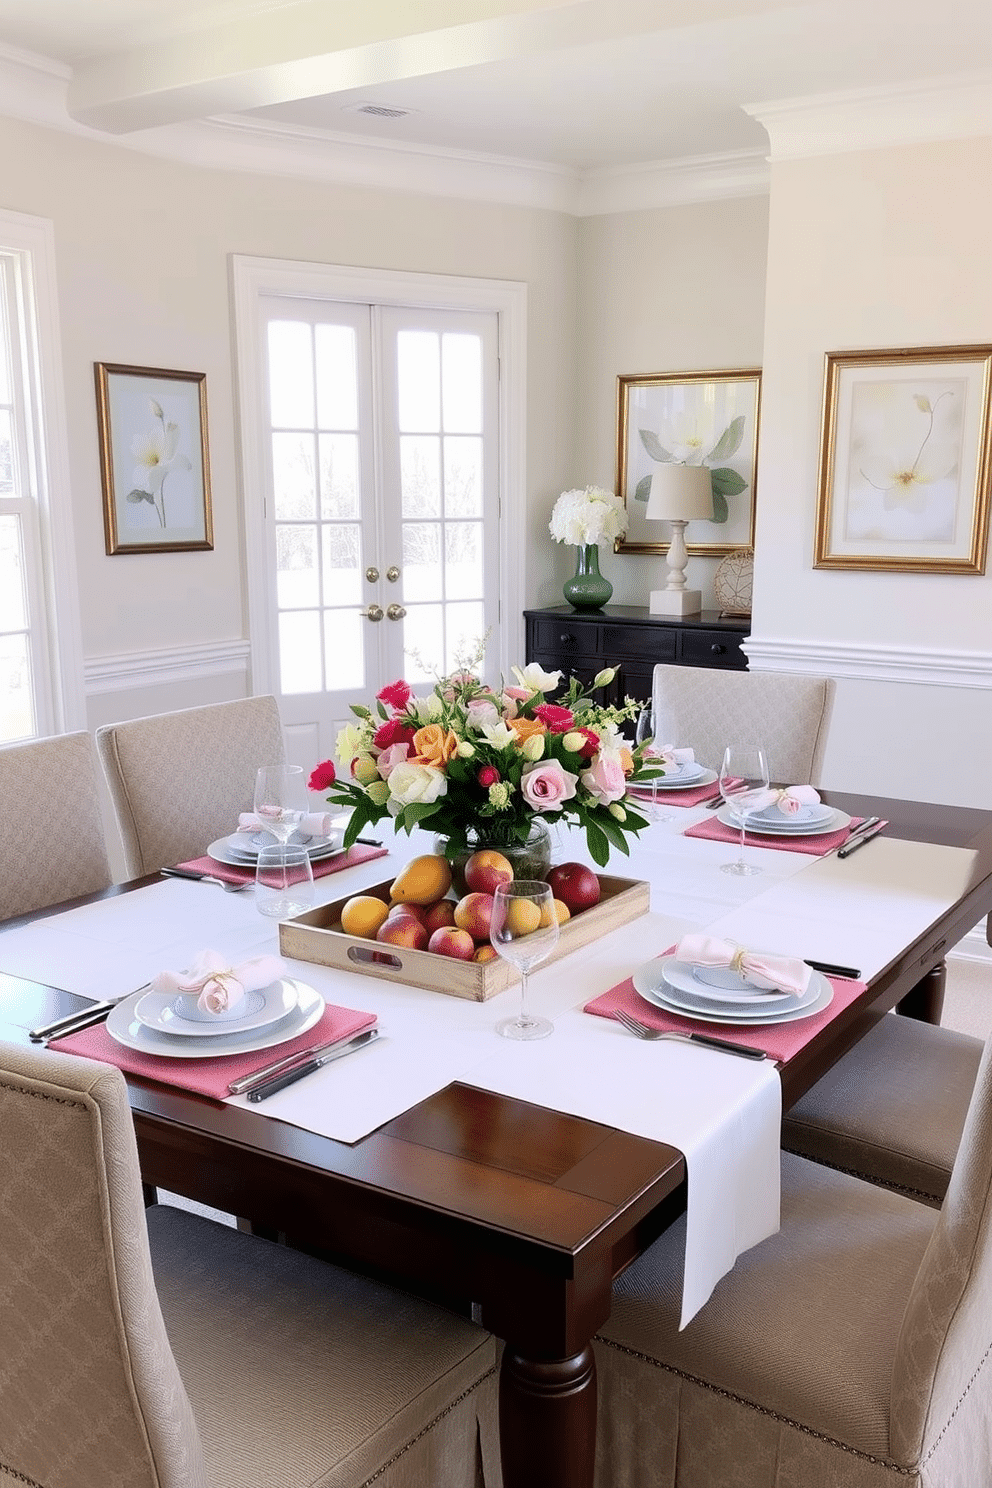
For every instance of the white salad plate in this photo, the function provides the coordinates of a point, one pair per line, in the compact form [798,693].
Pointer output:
[161,1011]
[675,782]
[834,823]
[720,984]
[237,857]
[805,816]
[123,1026]
[651,984]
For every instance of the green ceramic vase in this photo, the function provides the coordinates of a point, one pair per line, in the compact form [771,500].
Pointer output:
[587,589]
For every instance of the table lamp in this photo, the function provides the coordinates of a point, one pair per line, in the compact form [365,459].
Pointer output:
[679,494]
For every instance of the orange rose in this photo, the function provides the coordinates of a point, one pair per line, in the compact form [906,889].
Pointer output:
[626,760]
[432,746]
[525,727]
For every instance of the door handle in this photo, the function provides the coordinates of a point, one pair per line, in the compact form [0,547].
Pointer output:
[392,573]
[374,612]
[395,612]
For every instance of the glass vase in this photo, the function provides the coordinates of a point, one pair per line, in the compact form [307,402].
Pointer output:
[530,859]
[587,589]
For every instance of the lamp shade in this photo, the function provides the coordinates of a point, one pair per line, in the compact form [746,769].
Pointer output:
[680,493]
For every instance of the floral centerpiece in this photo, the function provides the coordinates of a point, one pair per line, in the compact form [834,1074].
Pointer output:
[478,765]
[588,520]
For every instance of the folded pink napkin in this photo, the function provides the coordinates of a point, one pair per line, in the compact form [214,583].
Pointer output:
[669,756]
[793,798]
[781,973]
[311,824]
[220,985]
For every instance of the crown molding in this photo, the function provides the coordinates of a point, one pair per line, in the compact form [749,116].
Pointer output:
[935,668]
[951,107]
[672,183]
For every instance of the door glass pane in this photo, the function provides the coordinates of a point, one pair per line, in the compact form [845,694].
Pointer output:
[299,651]
[465,626]
[291,374]
[17,719]
[293,482]
[418,373]
[423,641]
[6,451]
[13,601]
[345,649]
[462,477]
[421,561]
[342,557]
[462,384]
[420,475]
[297,579]
[339,475]
[337,377]
[463,560]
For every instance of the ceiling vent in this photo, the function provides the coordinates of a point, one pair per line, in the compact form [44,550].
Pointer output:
[377,110]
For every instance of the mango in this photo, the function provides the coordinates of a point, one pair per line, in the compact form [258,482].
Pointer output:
[424,880]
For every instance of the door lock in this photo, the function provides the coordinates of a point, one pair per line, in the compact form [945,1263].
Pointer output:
[374,612]
[395,611]
[392,573]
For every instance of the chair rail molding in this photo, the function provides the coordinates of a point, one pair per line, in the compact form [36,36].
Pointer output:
[127,671]
[933,666]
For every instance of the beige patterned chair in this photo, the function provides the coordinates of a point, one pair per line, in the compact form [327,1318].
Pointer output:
[851,1350]
[186,1355]
[706,709]
[178,780]
[53,845]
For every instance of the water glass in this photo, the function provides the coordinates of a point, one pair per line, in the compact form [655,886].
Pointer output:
[283,881]
[280,799]
[744,788]
[524,930]
[645,736]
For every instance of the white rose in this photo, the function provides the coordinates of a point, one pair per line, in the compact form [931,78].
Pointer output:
[535,678]
[411,785]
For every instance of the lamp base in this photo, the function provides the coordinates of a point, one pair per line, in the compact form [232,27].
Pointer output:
[676,601]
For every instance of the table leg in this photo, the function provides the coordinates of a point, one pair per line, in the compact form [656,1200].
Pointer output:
[926,1001]
[547,1420]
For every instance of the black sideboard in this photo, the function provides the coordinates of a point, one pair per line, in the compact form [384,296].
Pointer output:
[582,643]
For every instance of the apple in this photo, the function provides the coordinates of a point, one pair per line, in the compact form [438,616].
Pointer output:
[450,941]
[403,930]
[575,885]
[417,911]
[486,869]
[441,913]
[474,913]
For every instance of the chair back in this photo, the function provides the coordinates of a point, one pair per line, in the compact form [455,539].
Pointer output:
[179,780]
[707,709]
[53,843]
[90,1396]
[941,1371]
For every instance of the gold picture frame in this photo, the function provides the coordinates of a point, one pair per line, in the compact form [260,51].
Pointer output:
[696,418]
[905,460]
[154,463]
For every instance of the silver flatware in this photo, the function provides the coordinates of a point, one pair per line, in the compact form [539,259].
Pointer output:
[259,1076]
[97,1012]
[853,843]
[641,1030]
[226,885]
[855,832]
[300,1071]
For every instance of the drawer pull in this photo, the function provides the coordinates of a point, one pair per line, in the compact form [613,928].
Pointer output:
[718,648]
[565,639]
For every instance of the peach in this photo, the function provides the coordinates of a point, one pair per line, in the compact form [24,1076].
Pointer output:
[486,869]
[403,930]
[485,953]
[416,911]
[450,941]
[441,913]
[474,913]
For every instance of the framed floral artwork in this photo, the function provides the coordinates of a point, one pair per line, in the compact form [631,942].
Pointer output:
[905,460]
[689,418]
[153,459]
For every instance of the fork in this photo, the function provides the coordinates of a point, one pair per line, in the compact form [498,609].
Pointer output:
[641,1030]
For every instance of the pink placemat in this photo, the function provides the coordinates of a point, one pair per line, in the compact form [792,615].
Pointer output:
[694,797]
[715,831]
[210,1076]
[324,866]
[781,1040]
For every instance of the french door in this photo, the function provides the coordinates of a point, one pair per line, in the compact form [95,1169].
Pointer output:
[381,503]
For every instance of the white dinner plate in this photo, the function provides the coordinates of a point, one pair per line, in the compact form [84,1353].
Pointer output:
[222,852]
[668,782]
[123,1026]
[720,984]
[835,823]
[652,987]
[161,1011]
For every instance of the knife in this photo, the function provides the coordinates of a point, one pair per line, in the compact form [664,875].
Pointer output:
[299,1071]
[193,873]
[259,1076]
[82,1018]
[854,842]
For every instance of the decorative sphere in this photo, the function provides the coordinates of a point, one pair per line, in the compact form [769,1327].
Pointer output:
[733,582]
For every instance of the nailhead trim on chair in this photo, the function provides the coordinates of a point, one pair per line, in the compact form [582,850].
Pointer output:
[429,1427]
[903,1472]
[964,1392]
[13,1473]
[930,1199]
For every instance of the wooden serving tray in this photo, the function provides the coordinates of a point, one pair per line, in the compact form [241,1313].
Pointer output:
[317,936]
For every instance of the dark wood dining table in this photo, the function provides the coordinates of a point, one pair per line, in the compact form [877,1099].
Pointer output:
[520,1213]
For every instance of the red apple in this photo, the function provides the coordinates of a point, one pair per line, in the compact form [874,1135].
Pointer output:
[487,868]
[441,913]
[575,885]
[474,913]
[403,930]
[449,941]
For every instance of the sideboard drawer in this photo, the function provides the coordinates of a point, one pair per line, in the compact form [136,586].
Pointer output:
[618,641]
[566,638]
[710,648]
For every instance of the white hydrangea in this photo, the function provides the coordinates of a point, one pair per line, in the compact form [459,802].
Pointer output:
[589,516]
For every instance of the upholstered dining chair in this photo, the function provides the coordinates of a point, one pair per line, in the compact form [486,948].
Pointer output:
[53,843]
[852,1349]
[179,780]
[156,1349]
[707,709]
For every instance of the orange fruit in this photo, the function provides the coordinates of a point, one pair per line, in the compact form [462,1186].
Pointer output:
[560,911]
[363,915]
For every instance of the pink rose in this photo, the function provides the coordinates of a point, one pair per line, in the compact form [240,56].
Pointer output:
[488,776]
[393,731]
[396,695]
[394,755]
[322,776]
[555,719]
[545,785]
[481,711]
[520,693]
[605,779]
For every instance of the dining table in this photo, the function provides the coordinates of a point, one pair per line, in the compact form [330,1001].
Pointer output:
[514,1210]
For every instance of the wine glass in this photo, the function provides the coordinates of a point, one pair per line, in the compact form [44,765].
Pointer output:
[524,930]
[744,788]
[283,881]
[280,799]
[644,735]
